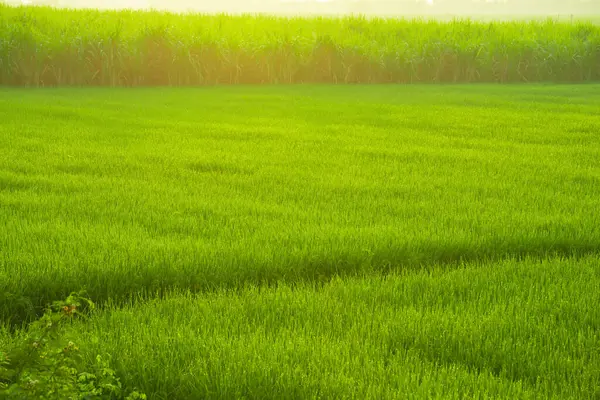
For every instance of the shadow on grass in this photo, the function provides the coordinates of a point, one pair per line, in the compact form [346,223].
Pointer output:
[118,287]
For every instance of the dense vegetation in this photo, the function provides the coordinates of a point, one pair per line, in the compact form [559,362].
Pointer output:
[518,330]
[512,329]
[127,192]
[44,47]
[297,241]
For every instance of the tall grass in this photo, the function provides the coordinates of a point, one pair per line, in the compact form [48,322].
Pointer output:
[44,47]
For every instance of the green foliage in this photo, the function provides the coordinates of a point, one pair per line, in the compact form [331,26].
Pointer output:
[522,330]
[45,47]
[44,365]
[134,192]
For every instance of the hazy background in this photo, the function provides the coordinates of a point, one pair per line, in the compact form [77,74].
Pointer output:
[368,7]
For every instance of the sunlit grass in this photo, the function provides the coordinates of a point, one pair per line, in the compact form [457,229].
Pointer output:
[130,192]
[45,47]
[518,330]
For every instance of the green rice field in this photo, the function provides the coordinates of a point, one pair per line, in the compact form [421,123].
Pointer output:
[312,241]
[519,330]
[332,235]
[56,47]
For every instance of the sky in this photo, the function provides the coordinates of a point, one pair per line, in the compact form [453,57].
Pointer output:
[375,7]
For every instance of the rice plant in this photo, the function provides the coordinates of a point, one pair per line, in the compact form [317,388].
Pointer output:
[507,330]
[128,192]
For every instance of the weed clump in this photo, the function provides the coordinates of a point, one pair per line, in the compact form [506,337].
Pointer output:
[44,364]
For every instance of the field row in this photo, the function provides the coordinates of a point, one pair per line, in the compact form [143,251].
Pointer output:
[133,192]
[45,47]
[519,330]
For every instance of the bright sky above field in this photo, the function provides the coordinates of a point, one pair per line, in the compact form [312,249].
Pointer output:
[492,7]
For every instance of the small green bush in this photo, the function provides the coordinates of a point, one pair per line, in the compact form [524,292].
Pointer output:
[43,364]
